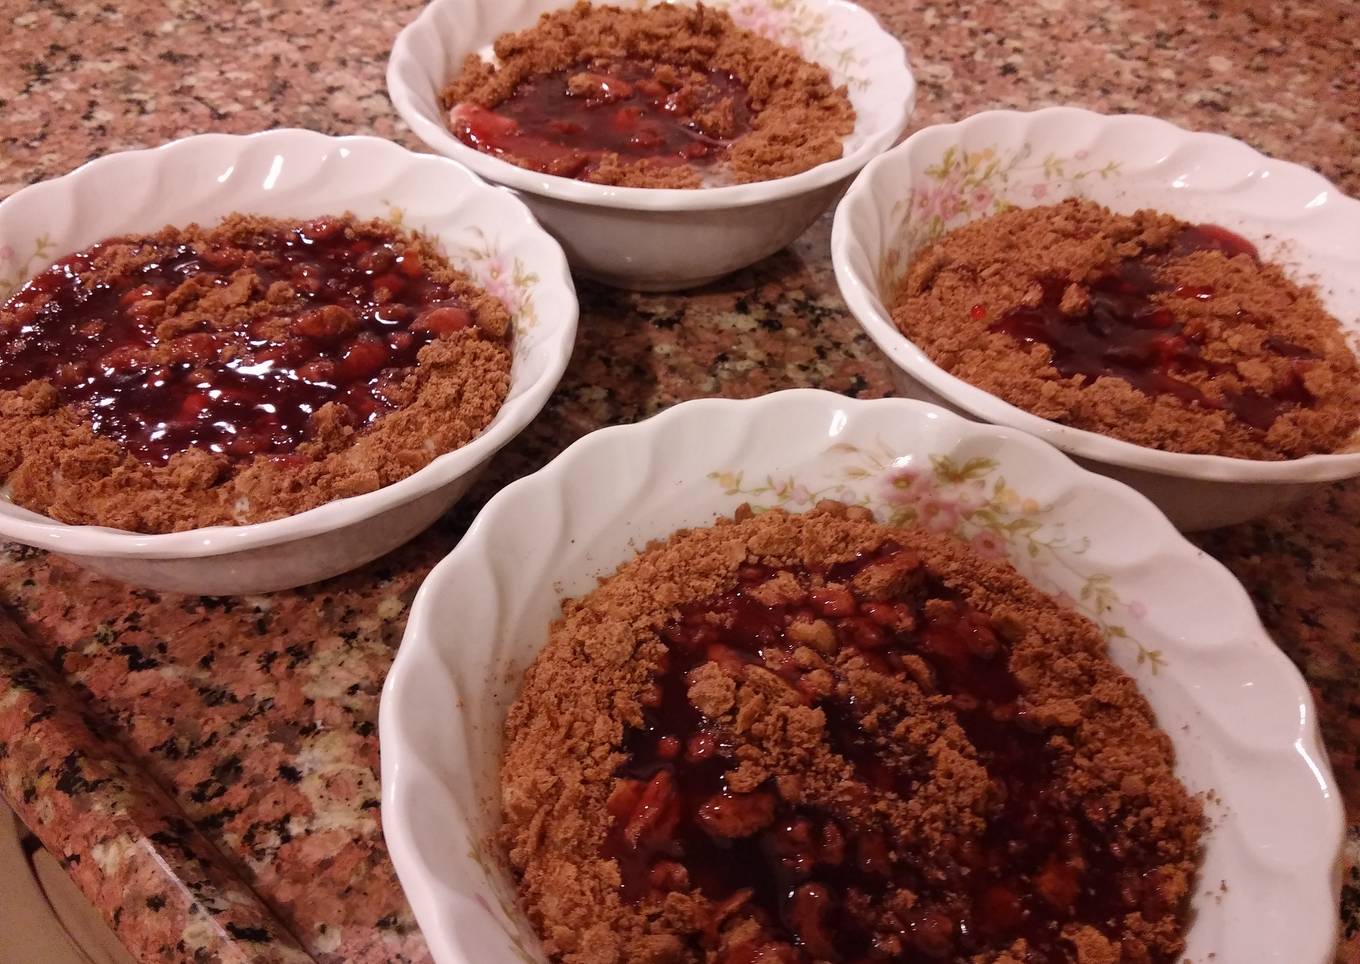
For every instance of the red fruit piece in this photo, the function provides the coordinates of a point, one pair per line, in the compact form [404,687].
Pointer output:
[362,360]
[1000,910]
[807,913]
[1057,883]
[654,816]
[932,933]
[387,286]
[833,601]
[862,633]
[325,323]
[317,370]
[733,816]
[443,321]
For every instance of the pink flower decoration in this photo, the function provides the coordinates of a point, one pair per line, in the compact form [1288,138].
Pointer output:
[907,487]
[982,196]
[1039,191]
[938,515]
[1137,610]
[800,495]
[988,545]
[6,253]
[1081,155]
[1065,600]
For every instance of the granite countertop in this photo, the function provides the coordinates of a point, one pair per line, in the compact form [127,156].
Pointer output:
[207,767]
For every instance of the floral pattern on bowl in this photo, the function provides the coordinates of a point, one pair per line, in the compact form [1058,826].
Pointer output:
[966,185]
[1237,712]
[503,276]
[298,174]
[972,501]
[14,271]
[805,30]
[945,175]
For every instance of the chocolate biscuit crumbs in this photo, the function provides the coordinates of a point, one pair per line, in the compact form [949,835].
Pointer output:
[1140,326]
[787,117]
[241,373]
[797,738]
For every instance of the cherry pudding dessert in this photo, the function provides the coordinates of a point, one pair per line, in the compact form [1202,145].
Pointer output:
[666,96]
[1172,335]
[814,738]
[241,373]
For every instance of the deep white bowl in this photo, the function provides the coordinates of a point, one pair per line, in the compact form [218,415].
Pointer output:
[298,174]
[659,239]
[945,176]
[1238,712]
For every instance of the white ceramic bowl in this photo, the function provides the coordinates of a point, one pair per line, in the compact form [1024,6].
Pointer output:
[944,176]
[1236,709]
[661,239]
[298,174]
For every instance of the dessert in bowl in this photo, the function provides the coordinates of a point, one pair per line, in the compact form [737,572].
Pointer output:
[1172,308]
[665,145]
[642,774]
[284,368]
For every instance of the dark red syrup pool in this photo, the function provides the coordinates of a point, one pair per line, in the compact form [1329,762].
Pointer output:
[817,883]
[367,310]
[1125,334]
[566,122]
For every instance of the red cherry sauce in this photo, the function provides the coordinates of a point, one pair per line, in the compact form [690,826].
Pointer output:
[1040,866]
[367,310]
[563,128]
[1125,334]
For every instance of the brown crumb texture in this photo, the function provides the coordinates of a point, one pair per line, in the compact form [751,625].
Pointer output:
[1261,370]
[799,118]
[54,463]
[852,765]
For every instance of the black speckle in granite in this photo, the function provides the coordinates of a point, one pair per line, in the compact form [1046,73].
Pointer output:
[297,655]
[388,922]
[46,713]
[216,821]
[364,728]
[1350,902]
[137,661]
[255,935]
[104,634]
[215,696]
[155,902]
[290,773]
[71,781]
[266,659]
[168,749]
[369,804]
[206,660]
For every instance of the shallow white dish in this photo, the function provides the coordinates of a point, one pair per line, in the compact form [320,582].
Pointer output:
[298,174]
[661,239]
[945,176]
[1238,712]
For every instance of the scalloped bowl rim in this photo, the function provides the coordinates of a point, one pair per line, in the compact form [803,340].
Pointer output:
[860,294]
[210,541]
[437,136]
[404,770]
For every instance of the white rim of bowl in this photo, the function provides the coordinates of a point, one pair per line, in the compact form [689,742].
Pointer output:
[438,137]
[865,304]
[400,767]
[210,541]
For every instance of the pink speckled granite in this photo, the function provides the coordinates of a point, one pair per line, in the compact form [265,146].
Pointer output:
[238,820]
